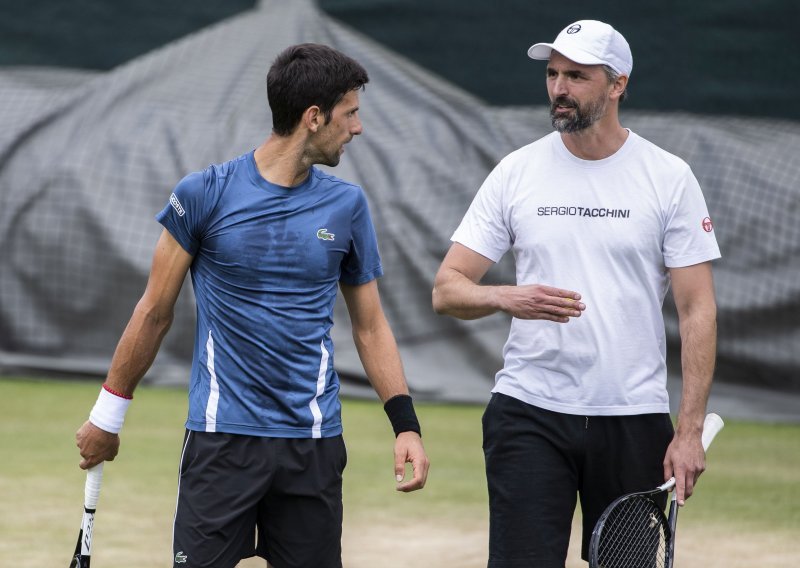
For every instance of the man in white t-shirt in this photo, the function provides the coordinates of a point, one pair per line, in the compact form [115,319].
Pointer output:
[600,222]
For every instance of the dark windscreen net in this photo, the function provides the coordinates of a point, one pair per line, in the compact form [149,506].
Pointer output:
[89,159]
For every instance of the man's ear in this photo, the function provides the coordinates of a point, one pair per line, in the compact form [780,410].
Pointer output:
[619,86]
[313,118]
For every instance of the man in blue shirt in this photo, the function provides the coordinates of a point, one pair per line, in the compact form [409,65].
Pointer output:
[268,239]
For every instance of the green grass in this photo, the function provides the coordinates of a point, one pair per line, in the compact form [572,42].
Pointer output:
[452,438]
[752,479]
[752,482]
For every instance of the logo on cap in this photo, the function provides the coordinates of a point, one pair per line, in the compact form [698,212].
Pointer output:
[573,29]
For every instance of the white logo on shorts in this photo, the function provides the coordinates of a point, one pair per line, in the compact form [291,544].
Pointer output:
[173,200]
[181,558]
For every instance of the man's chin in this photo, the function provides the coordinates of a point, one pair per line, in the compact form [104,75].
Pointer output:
[569,124]
[562,124]
[331,161]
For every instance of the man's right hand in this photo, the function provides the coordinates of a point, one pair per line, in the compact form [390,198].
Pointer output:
[540,302]
[95,445]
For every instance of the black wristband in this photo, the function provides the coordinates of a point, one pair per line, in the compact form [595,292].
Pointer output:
[400,411]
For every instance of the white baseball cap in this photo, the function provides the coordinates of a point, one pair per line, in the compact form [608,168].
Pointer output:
[589,42]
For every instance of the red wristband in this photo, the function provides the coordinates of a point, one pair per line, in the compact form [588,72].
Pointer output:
[115,393]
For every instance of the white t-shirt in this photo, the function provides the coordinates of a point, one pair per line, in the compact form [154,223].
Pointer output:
[608,229]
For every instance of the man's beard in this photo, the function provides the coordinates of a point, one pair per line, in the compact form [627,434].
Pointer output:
[582,117]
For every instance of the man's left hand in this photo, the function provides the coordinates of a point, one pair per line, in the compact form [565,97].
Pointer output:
[685,461]
[408,449]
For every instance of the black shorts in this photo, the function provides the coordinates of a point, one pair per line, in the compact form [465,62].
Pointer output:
[241,496]
[539,462]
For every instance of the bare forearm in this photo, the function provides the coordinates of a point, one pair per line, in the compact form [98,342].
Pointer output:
[698,355]
[380,357]
[137,348]
[457,296]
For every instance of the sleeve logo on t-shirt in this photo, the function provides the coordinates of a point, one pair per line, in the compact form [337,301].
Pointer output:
[708,226]
[176,205]
[324,235]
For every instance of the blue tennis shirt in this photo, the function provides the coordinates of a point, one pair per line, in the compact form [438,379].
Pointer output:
[266,268]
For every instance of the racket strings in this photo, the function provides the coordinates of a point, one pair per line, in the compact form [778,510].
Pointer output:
[634,535]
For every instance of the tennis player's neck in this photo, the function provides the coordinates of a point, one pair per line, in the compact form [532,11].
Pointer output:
[280,162]
[595,143]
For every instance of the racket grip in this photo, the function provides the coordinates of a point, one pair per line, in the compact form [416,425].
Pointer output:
[711,427]
[94,477]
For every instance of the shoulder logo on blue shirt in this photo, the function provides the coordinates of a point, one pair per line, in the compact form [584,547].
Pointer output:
[324,235]
[173,200]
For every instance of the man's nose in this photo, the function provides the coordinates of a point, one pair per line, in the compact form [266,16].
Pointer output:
[560,86]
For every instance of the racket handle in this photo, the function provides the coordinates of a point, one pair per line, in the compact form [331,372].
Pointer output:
[711,427]
[94,477]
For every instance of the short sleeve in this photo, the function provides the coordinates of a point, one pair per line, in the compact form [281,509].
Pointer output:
[362,263]
[185,212]
[689,237]
[484,228]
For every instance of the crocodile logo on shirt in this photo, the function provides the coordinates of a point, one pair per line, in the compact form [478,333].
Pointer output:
[181,558]
[324,235]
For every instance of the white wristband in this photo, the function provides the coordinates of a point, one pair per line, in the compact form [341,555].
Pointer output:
[109,411]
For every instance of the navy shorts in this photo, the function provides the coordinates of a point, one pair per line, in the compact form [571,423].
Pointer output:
[538,463]
[242,496]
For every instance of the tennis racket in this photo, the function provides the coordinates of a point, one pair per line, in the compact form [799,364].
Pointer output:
[83,550]
[633,531]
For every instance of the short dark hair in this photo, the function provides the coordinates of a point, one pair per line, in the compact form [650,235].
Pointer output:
[309,74]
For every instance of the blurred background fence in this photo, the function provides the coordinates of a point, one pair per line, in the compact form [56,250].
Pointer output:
[105,106]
